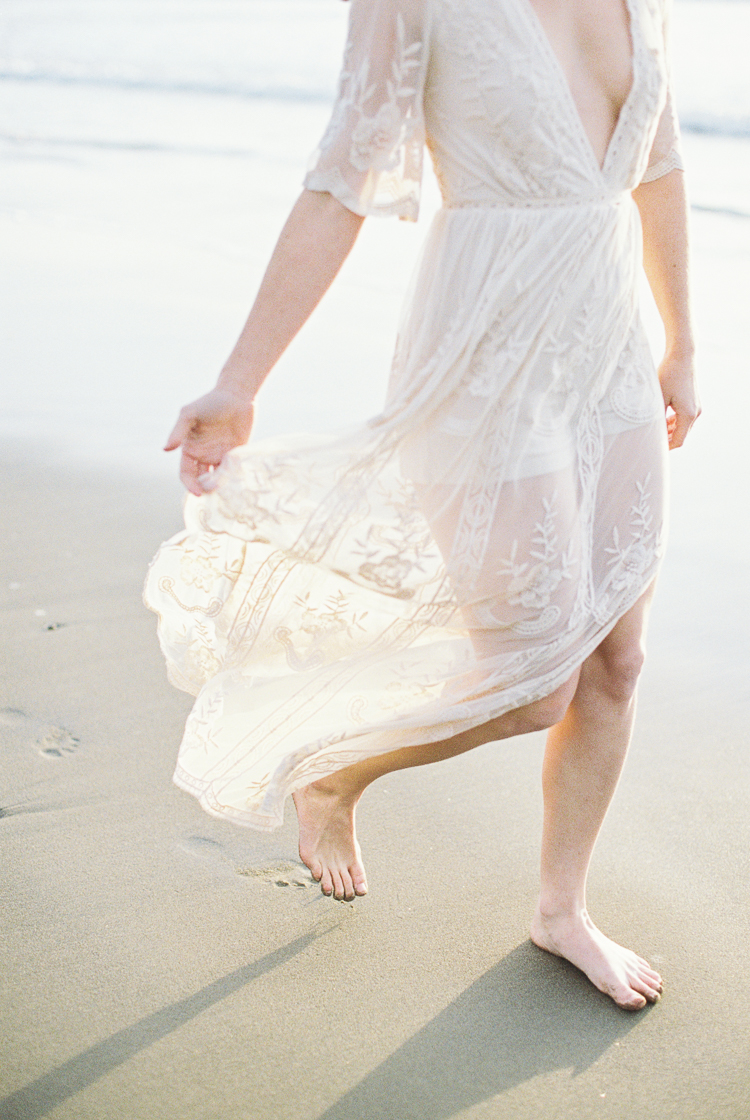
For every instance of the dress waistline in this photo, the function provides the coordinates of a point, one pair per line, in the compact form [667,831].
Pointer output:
[616,199]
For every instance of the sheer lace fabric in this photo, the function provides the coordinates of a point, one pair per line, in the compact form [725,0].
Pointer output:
[462,553]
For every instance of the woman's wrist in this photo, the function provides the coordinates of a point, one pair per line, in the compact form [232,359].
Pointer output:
[680,347]
[239,384]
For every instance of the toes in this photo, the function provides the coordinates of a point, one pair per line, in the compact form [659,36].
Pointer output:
[645,969]
[359,880]
[635,1003]
[326,883]
[651,991]
[338,886]
[636,995]
[647,977]
[314,866]
[348,885]
[341,885]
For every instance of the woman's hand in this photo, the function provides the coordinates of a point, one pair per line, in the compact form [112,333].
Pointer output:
[677,379]
[206,430]
[663,207]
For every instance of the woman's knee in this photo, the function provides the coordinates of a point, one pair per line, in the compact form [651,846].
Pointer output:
[618,667]
[615,666]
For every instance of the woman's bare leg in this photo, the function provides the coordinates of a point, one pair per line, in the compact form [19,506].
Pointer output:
[584,757]
[326,809]
[591,719]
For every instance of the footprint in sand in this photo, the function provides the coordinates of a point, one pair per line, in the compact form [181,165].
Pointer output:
[282,874]
[207,851]
[56,742]
[50,741]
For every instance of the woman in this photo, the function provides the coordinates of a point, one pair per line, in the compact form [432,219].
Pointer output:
[478,561]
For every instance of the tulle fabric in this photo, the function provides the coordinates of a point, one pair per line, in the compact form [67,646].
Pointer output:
[460,555]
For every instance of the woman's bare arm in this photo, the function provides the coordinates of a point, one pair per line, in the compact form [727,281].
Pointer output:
[663,207]
[314,243]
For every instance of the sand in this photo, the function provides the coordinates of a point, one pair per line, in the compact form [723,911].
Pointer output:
[159,963]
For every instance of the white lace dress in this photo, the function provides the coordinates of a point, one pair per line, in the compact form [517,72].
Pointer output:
[463,552]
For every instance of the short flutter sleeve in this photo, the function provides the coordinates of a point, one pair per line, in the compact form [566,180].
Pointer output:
[371,155]
[665,155]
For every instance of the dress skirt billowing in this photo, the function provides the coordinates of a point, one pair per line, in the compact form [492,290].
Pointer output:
[338,597]
[460,555]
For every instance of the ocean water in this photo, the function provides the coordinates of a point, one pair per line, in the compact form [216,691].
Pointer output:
[149,151]
[291,49]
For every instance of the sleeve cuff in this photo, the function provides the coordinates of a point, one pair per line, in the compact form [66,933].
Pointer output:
[333,182]
[671,162]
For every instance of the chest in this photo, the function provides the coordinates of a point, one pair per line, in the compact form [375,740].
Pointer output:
[593,44]
[538,93]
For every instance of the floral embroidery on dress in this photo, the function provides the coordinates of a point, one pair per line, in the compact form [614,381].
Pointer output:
[311,641]
[389,573]
[272,496]
[376,139]
[370,156]
[398,548]
[533,585]
[200,723]
[203,565]
[499,350]
[630,562]
[634,394]
[210,609]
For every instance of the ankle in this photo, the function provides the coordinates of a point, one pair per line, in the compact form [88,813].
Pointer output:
[553,909]
[336,788]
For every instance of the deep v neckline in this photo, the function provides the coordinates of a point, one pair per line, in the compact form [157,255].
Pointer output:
[557,67]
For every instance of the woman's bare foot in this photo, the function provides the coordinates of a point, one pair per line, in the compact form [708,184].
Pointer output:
[617,972]
[327,841]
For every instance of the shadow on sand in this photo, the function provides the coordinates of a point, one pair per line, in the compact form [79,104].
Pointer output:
[528,1015]
[50,1090]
